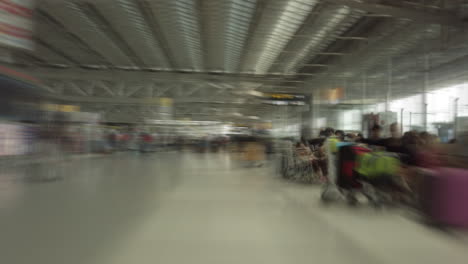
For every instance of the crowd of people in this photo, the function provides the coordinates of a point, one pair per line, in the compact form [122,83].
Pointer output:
[347,162]
[75,138]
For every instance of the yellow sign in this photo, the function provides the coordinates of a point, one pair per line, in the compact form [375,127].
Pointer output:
[49,107]
[60,108]
[240,125]
[333,94]
[69,108]
[281,96]
[266,125]
[165,101]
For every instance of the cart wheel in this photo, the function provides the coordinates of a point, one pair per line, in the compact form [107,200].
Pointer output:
[352,201]
[326,201]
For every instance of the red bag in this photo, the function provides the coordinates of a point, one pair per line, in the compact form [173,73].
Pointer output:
[346,164]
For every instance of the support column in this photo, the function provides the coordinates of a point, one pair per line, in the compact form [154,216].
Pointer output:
[165,108]
[401,121]
[455,118]
[389,85]
[316,111]
[364,94]
[308,119]
[410,120]
[424,92]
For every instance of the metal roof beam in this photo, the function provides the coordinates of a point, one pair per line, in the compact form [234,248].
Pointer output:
[105,87]
[77,88]
[440,17]
[124,75]
[160,91]
[133,90]
[141,101]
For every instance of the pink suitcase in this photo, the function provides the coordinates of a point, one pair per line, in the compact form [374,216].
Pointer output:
[444,197]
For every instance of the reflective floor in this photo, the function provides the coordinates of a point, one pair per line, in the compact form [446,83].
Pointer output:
[196,208]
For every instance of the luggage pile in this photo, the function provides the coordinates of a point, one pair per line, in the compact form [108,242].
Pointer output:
[302,164]
[439,193]
[412,172]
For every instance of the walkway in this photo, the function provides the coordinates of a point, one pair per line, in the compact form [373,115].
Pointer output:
[197,208]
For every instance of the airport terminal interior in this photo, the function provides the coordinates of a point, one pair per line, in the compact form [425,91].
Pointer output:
[233,131]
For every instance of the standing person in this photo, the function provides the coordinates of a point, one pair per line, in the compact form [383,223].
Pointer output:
[351,137]
[375,137]
[51,145]
[359,138]
[331,191]
[393,143]
[254,152]
[124,139]
[323,133]
[112,139]
[304,141]
[426,153]
[340,135]
[97,138]
[145,141]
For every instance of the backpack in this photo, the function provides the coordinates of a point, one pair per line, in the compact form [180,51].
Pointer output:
[377,164]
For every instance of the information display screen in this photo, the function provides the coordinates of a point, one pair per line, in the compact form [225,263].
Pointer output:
[284,99]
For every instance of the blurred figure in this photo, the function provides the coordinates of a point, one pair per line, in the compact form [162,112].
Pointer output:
[124,140]
[375,136]
[393,143]
[395,130]
[340,135]
[305,142]
[322,133]
[254,152]
[409,147]
[146,141]
[97,139]
[419,158]
[302,149]
[328,132]
[331,191]
[351,137]
[112,139]
[425,137]
[426,152]
[359,138]
[52,146]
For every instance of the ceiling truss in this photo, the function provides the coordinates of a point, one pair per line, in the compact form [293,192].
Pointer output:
[129,52]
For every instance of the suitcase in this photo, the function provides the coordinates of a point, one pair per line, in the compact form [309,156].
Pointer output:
[444,197]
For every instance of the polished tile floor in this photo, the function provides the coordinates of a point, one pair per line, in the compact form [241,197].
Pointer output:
[196,208]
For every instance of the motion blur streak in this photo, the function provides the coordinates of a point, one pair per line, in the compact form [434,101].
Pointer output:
[233,131]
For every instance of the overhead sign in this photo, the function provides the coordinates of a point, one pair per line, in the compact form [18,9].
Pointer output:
[16,23]
[333,95]
[166,102]
[284,99]
[275,102]
[69,108]
[283,96]
[60,108]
